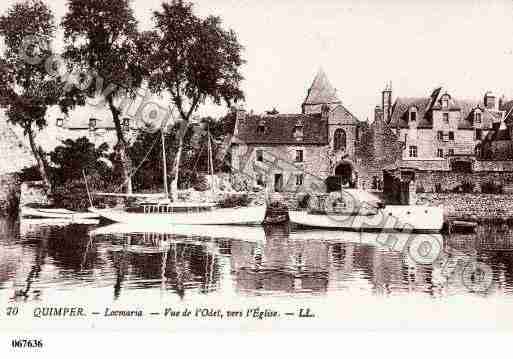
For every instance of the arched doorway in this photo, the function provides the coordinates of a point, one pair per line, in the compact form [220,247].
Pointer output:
[344,171]
[343,177]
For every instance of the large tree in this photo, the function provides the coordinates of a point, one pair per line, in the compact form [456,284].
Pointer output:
[26,87]
[101,39]
[193,59]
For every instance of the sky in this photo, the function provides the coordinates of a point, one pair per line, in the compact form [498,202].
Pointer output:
[464,46]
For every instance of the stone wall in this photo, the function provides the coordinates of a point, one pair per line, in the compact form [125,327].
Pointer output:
[428,181]
[476,206]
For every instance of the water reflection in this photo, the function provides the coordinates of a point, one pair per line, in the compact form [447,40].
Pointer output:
[37,261]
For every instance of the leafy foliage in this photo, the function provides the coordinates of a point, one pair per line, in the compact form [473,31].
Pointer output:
[73,157]
[26,88]
[101,39]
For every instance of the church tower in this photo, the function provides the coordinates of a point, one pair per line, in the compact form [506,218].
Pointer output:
[320,93]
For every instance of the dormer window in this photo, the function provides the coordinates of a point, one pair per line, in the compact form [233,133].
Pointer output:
[261,128]
[298,131]
[413,114]
[477,117]
[59,122]
[92,124]
[445,101]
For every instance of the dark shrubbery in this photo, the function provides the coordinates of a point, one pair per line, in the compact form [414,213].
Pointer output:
[235,200]
[303,201]
[201,183]
[73,195]
[492,188]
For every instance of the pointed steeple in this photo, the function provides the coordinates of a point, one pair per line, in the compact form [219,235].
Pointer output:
[321,91]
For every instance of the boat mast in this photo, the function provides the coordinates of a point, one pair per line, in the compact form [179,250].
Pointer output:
[166,189]
[210,160]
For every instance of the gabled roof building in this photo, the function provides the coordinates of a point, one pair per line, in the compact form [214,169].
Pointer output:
[321,146]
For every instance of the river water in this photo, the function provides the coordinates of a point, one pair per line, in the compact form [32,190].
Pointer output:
[94,264]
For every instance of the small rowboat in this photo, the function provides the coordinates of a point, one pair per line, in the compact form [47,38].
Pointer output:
[60,213]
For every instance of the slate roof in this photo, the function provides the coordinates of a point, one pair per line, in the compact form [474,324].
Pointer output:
[321,91]
[469,107]
[425,106]
[400,112]
[279,129]
[342,116]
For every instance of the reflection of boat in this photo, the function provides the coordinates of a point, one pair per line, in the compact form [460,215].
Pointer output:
[242,233]
[59,213]
[359,210]
[34,224]
[393,241]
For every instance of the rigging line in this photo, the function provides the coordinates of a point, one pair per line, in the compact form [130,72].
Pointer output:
[163,125]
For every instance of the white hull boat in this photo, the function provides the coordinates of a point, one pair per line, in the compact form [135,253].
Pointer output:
[165,215]
[391,218]
[57,213]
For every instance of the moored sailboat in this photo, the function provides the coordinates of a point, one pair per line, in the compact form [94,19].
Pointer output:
[159,209]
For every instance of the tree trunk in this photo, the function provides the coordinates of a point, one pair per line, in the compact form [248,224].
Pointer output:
[42,165]
[174,183]
[122,147]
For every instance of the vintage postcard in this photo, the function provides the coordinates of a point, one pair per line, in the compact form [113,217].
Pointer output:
[176,165]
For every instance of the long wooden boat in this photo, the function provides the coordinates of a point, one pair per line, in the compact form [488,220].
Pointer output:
[358,210]
[184,213]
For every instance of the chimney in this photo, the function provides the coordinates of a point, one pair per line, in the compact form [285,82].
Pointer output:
[386,101]
[378,114]
[490,101]
[240,112]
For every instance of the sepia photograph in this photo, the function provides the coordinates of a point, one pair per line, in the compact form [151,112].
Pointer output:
[244,165]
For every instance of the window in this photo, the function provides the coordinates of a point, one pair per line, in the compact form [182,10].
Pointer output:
[260,155]
[477,117]
[413,151]
[299,155]
[451,136]
[260,179]
[298,132]
[92,124]
[445,117]
[478,151]
[445,101]
[299,179]
[479,134]
[440,135]
[451,151]
[59,122]
[413,116]
[339,141]
[261,128]
[440,152]
[126,124]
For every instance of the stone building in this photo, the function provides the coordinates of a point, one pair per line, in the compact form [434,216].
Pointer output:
[320,148]
[449,144]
